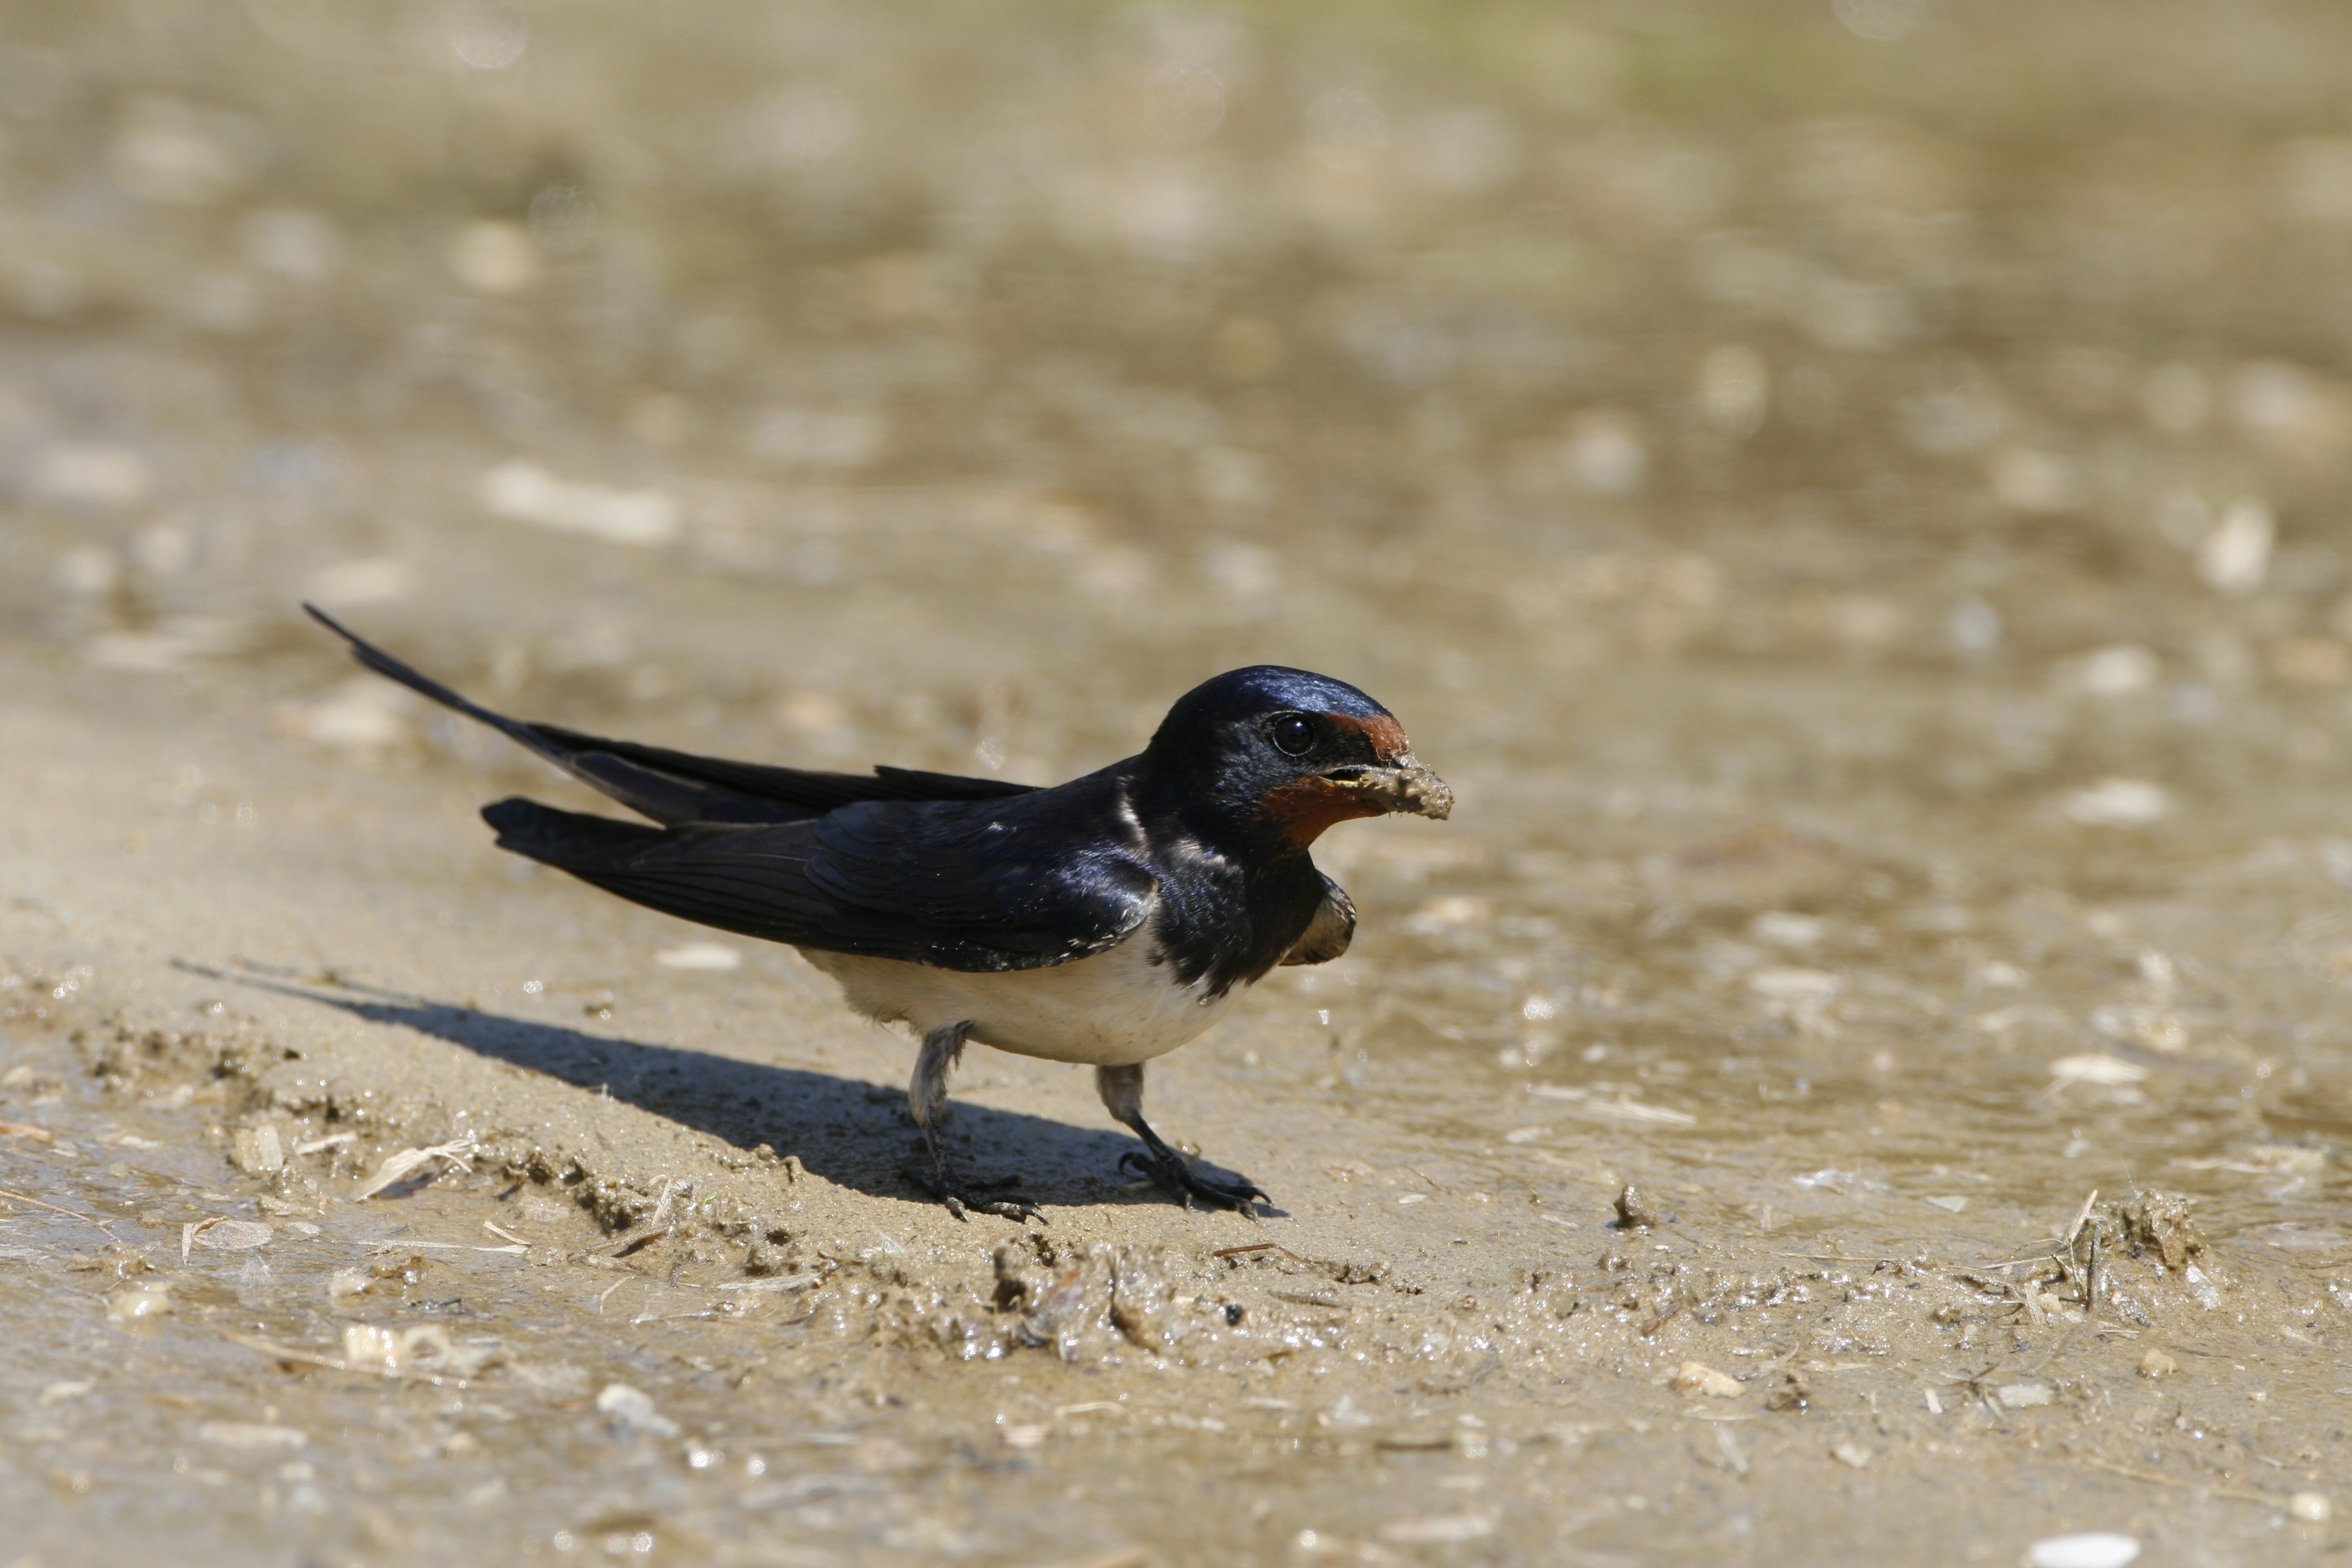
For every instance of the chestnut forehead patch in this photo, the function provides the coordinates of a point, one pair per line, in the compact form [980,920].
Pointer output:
[1385,733]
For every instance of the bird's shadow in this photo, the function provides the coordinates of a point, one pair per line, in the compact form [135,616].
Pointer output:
[853,1135]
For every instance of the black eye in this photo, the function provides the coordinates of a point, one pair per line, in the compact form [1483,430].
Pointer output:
[1293,734]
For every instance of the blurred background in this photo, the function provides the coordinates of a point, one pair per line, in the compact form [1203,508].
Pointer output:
[1852,493]
[1909,428]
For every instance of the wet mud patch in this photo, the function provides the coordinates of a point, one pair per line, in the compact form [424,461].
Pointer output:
[733,1344]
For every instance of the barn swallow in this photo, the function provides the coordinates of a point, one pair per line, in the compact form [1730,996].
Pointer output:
[1105,921]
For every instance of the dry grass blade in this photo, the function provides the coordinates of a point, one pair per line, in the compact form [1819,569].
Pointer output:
[53,1208]
[287,1352]
[1300,1299]
[1258,1246]
[2236,1494]
[406,1161]
[2081,1216]
[1635,1113]
[781,1282]
[404,1244]
[289,1355]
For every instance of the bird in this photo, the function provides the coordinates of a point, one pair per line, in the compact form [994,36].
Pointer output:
[1105,921]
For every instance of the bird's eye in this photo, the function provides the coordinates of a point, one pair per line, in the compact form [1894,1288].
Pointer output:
[1293,735]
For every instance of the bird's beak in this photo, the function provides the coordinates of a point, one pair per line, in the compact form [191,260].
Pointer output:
[1405,787]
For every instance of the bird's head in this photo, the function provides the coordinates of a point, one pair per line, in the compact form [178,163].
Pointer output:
[1289,753]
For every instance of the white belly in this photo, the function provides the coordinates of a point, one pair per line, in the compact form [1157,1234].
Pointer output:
[1111,1009]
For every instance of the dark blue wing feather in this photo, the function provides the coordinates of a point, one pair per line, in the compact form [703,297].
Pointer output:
[963,873]
[1018,883]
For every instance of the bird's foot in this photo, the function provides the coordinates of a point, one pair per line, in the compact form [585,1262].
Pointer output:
[958,1199]
[1171,1170]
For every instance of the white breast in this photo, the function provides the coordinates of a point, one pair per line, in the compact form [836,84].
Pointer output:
[1111,1009]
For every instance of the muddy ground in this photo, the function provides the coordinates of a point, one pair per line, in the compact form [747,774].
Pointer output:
[1851,496]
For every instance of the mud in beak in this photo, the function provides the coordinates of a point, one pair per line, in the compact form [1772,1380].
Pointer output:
[1406,788]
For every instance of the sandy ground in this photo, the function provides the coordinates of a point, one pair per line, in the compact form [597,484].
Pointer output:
[692,1185]
[1851,494]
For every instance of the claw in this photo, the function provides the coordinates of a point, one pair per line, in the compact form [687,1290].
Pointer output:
[962,1204]
[1175,1174]
[964,1207]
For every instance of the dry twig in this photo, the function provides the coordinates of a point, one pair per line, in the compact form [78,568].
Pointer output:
[2236,1494]
[53,1208]
[290,1355]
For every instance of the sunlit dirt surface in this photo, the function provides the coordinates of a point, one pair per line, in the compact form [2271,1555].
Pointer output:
[1851,496]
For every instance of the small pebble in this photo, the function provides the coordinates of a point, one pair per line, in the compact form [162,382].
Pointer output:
[140,1301]
[1853,1456]
[2310,1508]
[1696,1377]
[257,1151]
[2092,1549]
[1633,1211]
[1445,1530]
[633,1410]
[250,1435]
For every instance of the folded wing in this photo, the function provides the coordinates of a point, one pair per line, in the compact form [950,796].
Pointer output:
[962,873]
[936,883]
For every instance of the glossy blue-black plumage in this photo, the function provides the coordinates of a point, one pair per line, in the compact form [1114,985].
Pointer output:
[1243,696]
[962,873]
[970,885]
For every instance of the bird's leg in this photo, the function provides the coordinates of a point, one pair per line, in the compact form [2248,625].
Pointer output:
[927,1102]
[1122,1093]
